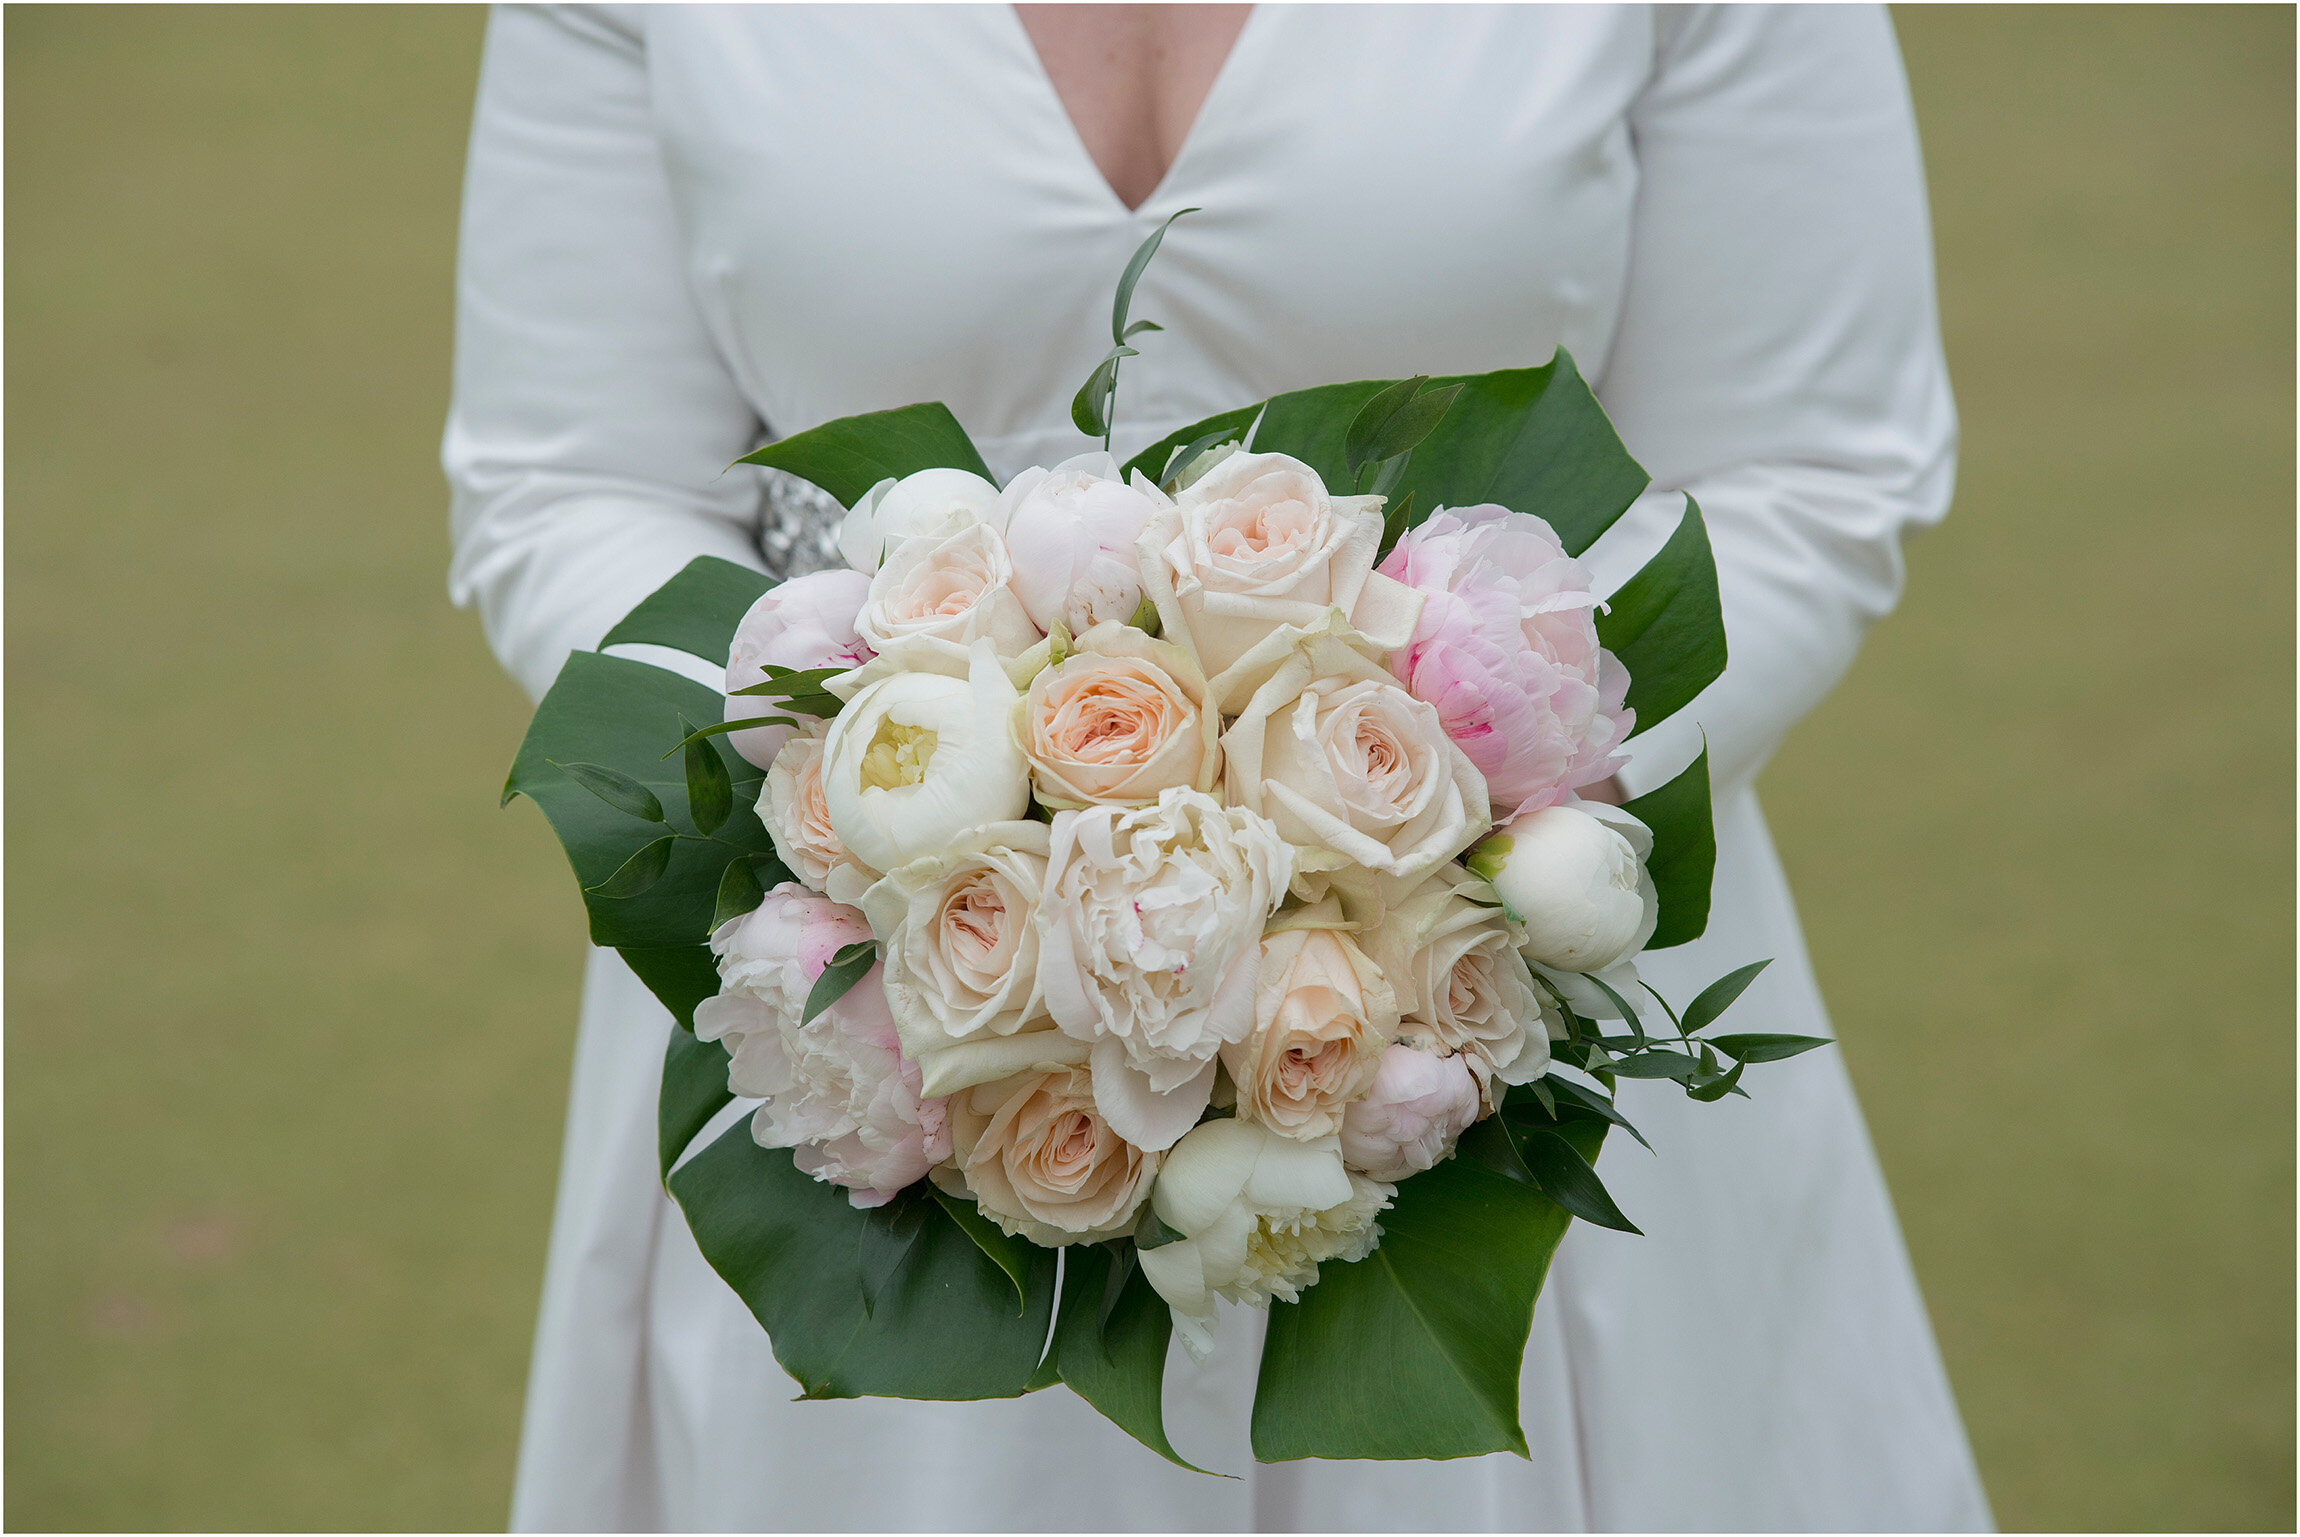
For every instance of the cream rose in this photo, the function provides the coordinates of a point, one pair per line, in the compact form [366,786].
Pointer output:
[1344,760]
[1120,720]
[798,818]
[960,934]
[1255,550]
[1322,1014]
[1042,1163]
[917,758]
[1149,930]
[1461,981]
[937,594]
[926,502]
[1076,525]
[1258,1213]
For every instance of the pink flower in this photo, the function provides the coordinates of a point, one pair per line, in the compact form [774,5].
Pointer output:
[838,1090]
[1418,1107]
[1506,651]
[807,622]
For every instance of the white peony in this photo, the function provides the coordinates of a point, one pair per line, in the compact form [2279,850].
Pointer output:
[1074,527]
[1258,1213]
[922,503]
[916,759]
[1149,930]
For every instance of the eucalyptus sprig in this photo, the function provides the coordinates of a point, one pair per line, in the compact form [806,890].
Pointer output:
[1092,406]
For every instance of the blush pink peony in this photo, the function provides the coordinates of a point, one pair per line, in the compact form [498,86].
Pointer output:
[1506,651]
[807,622]
[838,1090]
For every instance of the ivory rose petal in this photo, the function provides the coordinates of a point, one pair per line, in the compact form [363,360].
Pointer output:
[1323,1012]
[1256,551]
[960,935]
[1039,1159]
[797,817]
[937,594]
[1336,753]
[1461,983]
[1119,721]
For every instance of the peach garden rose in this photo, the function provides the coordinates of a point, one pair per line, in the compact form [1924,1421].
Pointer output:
[1121,719]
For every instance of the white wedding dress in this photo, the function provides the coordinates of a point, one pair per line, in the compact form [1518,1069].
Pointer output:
[687,228]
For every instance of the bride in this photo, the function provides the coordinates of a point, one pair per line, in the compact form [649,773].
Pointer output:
[687,230]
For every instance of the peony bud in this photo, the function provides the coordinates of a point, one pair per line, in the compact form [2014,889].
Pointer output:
[1419,1105]
[929,501]
[805,623]
[1073,528]
[1577,884]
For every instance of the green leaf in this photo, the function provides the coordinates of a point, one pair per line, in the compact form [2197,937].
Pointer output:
[1667,626]
[1684,857]
[848,456]
[1397,521]
[1007,1252]
[696,734]
[1570,1101]
[1767,1048]
[739,893]
[1414,1351]
[1567,1178]
[710,788]
[1719,996]
[1165,456]
[1138,327]
[1135,267]
[694,1090]
[695,611]
[1628,1014]
[1657,1063]
[616,714]
[1414,421]
[943,1327]
[888,1235]
[1358,438]
[1111,1344]
[1150,1233]
[618,790]
[1090,407]
[639,873]
[846,968]
[1489,1143]
[680,976]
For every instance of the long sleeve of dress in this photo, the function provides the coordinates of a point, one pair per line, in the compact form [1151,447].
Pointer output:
[593,419]
[1779,354]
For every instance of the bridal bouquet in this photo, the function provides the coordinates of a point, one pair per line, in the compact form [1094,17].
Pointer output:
[1141,886]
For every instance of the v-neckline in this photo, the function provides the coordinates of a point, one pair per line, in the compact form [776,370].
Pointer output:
[1084,157]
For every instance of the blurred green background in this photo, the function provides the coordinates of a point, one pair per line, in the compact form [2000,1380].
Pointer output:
[290,1003]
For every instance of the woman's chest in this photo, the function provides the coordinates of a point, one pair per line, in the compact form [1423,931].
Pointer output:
[886,204]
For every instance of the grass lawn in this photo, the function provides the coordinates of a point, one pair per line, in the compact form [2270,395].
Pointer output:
[290,1003]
